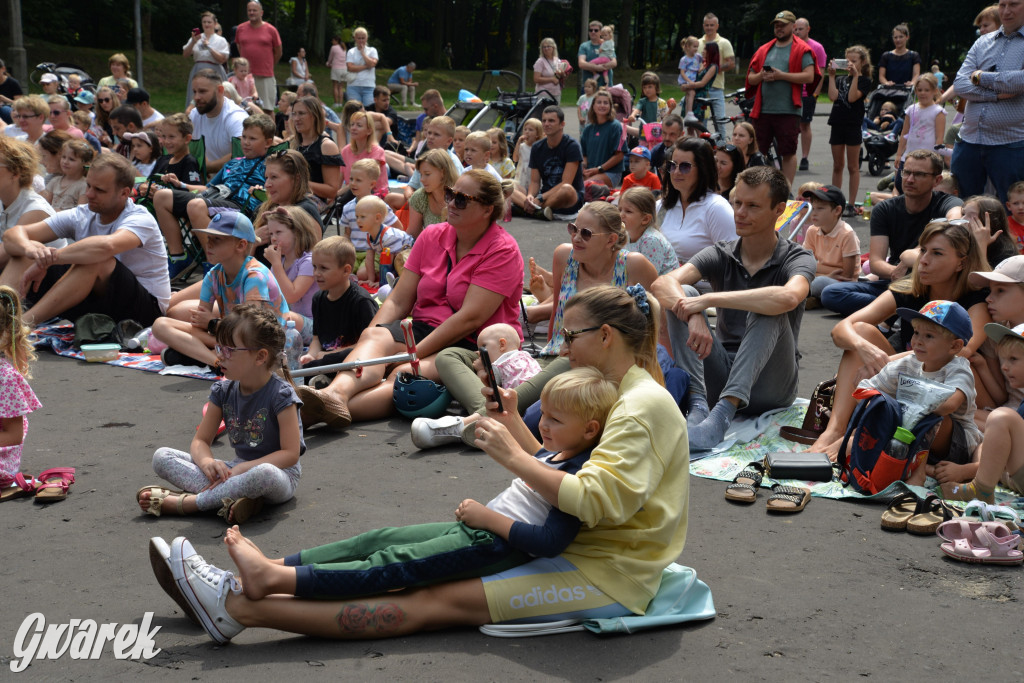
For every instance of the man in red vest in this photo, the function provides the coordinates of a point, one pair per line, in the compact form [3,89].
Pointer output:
[778,71]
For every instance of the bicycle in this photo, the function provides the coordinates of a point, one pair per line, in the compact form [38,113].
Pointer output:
[746,106]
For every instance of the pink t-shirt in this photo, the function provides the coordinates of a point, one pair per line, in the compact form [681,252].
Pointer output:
[493,263]
[257,45]
[336,58]
[376,153]
[245,87]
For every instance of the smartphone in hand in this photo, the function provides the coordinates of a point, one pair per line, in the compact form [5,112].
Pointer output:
[491,380]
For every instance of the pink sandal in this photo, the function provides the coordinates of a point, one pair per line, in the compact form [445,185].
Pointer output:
[981,542]
[19,488]
[221,428]
[54,485]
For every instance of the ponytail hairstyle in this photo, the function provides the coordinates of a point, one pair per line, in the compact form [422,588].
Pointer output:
[14,342]
[254,326]
[633,314]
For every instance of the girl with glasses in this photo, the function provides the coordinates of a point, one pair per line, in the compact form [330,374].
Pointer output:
[256,401]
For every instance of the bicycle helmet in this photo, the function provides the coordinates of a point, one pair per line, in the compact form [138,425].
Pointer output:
[420,397]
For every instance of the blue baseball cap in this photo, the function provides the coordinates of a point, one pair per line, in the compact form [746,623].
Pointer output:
[230,224]
[947,314]
[640,151]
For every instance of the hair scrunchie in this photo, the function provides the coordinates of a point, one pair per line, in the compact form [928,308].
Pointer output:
[639,295]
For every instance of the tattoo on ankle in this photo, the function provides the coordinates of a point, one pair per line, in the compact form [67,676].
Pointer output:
[360,617]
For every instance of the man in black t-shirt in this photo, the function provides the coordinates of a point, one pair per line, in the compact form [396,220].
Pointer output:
[896,225]
[556,173]
[9,90]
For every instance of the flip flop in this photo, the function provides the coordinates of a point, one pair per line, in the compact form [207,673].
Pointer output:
[979,510]
[237,511]
[934,512]
[745,485]
[991,546]
[156,499]
[54,485]
[900,510]
[788,498]
[19,488]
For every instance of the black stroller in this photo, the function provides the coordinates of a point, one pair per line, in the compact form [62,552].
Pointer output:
[62,70]
[879,145]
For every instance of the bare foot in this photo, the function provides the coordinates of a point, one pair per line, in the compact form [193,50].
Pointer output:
[828,447]
[252,564]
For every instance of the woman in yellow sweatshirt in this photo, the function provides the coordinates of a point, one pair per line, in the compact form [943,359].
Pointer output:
[631,496]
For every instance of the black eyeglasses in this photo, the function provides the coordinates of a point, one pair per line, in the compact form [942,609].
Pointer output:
[569,336]
[102,99]
[917,174]
[595,30]
[56,113]
[683,167]
[585,233]
[226,351]
[459,199]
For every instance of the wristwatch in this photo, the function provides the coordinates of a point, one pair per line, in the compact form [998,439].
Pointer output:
[212,326]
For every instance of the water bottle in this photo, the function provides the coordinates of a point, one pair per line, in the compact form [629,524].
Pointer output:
[866,214]
[292,345]
[140,341]
[900,444]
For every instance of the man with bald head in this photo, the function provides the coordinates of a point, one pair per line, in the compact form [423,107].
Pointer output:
[260,43]
[802,29]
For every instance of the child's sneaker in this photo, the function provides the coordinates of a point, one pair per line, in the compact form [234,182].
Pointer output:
[427,433]
[176,265]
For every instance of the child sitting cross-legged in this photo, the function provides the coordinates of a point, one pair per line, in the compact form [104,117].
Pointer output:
[235,278]
[1001,455]
[383,241]
[261,415]
[941,329]
[512,366]
[341,310]
[517,525]
[832,241]
[640,171]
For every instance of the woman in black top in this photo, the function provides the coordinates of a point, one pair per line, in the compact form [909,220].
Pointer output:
[321,153]
[899,66]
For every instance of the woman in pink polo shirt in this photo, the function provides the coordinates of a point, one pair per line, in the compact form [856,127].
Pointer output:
[461,276]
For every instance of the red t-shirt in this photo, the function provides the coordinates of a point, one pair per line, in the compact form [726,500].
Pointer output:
[649,181]
[257,45]
[1016,233]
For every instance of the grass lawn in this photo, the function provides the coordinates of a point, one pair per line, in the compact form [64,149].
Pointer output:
[164,75]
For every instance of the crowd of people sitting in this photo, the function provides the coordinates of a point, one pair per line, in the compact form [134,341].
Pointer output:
[632,378]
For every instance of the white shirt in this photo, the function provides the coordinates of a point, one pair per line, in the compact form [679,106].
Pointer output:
[147,262]
[218,131]
[153,118]
[705,221]
[366,77]
[206,46]
[27,200]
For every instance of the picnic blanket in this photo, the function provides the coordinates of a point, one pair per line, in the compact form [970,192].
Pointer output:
[751,439]
[60,338]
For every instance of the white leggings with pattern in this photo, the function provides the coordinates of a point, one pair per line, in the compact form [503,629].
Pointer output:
[273,484]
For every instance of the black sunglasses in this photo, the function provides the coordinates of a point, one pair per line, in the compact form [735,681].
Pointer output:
[585,233]
[459,199]
[683,167]
[570,335]
[102,99]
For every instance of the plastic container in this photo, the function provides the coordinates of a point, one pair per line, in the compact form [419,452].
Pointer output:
[293,346]
[100,353]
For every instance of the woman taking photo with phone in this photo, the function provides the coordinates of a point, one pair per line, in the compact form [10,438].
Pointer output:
[207,50]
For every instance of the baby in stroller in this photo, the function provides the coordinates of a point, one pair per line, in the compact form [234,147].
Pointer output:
[882,125]
[888,119]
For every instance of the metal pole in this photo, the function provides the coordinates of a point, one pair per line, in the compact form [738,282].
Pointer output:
[352,365]
[138,42]
[17,59]
[526,31]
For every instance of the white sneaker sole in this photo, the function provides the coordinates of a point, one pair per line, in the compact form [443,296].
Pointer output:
[160,559]
[181,573]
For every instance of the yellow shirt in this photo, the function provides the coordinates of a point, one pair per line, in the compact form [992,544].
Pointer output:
[632,494]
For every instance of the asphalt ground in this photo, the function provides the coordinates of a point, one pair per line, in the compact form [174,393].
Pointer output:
[820,595]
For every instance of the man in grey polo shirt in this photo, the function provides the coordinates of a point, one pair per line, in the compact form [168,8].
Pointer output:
[759,283]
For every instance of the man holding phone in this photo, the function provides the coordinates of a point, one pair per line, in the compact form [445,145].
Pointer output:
[778,71]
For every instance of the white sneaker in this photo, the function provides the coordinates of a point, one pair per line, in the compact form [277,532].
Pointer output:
[160,559]
[205,587]
[547,213]
[427,433]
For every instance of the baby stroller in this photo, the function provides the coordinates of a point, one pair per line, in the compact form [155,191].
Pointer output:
[62,70]
[879,145]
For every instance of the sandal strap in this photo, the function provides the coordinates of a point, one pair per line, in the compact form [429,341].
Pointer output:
[753,471]
[736,486]
[225,510]
[793,498]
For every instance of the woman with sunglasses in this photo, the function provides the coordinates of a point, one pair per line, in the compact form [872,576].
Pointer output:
[106,102]
[594,257]
[319,150]
[601,142]
[949,254]
[692,214]
[729,163]
[632,497]
[461,276]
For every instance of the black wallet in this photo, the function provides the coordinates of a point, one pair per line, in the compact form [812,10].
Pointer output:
[802,466]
